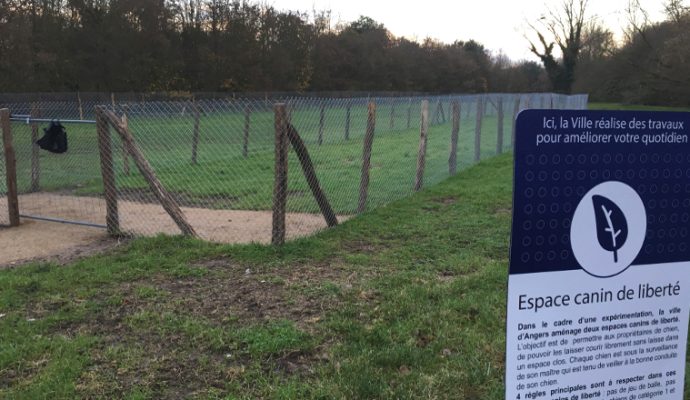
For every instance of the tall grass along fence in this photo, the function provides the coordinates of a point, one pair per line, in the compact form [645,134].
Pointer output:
[240,170]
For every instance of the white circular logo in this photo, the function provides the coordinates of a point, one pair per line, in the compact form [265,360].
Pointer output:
[608,229]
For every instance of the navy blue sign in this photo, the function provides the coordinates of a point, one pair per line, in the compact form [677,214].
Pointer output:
[568,161]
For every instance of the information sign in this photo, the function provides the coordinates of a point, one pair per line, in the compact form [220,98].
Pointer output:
[599,286]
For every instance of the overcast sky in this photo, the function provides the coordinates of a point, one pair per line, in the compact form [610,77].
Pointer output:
[497,24]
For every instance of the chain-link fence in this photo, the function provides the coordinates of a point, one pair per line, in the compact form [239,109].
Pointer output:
[216,158]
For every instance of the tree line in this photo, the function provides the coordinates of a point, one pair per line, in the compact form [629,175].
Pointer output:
[650,66]
[231,45]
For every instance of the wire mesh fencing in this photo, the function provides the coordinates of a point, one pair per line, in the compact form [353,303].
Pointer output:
[216,158]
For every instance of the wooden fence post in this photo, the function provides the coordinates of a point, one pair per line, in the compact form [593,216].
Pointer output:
[392,122]
[35,151]
[125,153]
[81,109]
[195,134]
[366,158]
[322,118]
[245,136]
[437,116]
[516,111]
[455,132]
[421,154]
[281,174]
[347,120]
[441,112]
[499,128]
[162,195]
[310,176]
[112,99]
[478,129]
[112,217]
[10,168]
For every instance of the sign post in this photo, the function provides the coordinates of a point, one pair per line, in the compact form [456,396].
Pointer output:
[599,286]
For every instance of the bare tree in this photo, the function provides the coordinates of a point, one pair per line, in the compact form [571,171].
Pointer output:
[676,10]
[566,27]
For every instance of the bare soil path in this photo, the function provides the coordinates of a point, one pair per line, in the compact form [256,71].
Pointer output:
[49,240]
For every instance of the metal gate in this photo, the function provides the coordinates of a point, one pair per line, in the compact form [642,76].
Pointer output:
[63,188]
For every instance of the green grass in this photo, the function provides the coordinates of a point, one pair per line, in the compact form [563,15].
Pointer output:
[404,302]
[223,178]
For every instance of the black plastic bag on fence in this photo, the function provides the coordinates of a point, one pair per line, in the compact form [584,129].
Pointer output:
[55,138]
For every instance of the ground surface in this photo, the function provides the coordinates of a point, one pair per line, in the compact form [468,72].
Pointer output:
[41,240]
[404,302]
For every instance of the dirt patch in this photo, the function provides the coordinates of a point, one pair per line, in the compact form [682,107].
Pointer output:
[40,240]
[172,368]
[361,246]
[252,294]
[446,201]
[37,240]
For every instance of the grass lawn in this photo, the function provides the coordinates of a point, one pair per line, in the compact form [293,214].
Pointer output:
[404,302]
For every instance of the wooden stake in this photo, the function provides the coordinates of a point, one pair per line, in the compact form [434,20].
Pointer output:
[516,111]
[478,129]
[35,151]
[125,154]
[112,216]
[322,118]
[437,116]
[499,128]
[281,175]
[347,120]
[366,158]
[10,168]
[392,122]
[409,112]
[310,176]
[166,200]
[81,109]
[421,155]
[455,132]
[443,113]
[245,141]
[195,133]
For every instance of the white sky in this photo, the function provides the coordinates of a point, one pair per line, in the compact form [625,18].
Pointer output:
[497,24]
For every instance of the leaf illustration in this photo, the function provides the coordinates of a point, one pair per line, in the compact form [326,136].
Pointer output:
[612,228]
